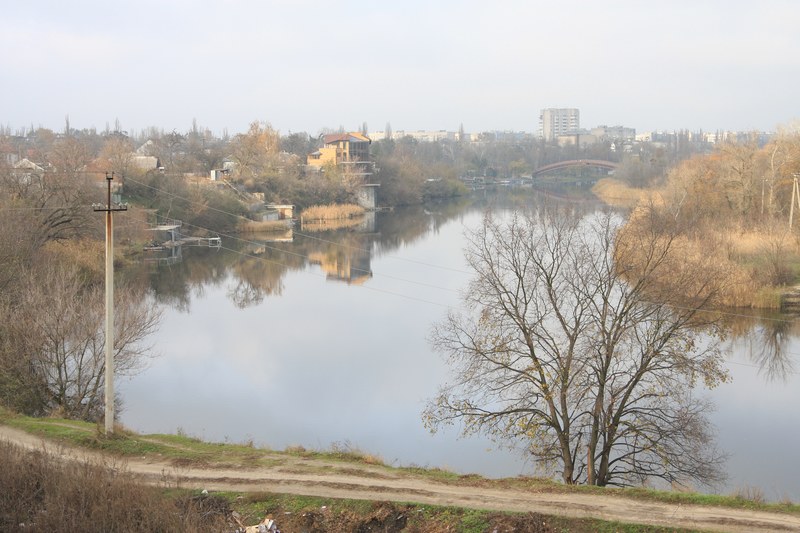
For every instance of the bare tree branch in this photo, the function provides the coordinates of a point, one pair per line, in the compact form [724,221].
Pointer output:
[573,348]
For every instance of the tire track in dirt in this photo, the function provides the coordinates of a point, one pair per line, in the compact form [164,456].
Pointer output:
[312,477]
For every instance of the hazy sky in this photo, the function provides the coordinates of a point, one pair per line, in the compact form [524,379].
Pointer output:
[304,65]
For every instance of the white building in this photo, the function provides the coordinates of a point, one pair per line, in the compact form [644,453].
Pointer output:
[558,121]
[614,133]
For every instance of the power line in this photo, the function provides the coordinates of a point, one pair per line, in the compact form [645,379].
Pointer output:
[221,211]
[423,263]
[40,208]
[421,300]
[684,308]
[296,254]
[392,293]
[384,291]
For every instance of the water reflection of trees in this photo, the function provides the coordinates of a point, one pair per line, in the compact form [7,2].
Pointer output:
[175,284]
[255,278]
[257,264]
[766,342]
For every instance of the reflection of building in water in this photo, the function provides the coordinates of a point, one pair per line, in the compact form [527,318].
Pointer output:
[370,222]
[286,235]
[351,265]
[163,255]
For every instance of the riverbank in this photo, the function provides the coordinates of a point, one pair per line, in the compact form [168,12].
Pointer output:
[465,502]
[756,265]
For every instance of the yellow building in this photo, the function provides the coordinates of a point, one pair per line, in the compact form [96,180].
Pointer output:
[349,152]
[341,149]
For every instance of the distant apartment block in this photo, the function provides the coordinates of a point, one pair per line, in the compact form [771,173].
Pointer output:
[419,135]
[554,122]
[614,133]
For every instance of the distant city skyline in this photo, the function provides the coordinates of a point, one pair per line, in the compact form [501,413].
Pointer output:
[306,66]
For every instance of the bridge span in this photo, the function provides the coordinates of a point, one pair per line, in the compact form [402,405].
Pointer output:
[598,163]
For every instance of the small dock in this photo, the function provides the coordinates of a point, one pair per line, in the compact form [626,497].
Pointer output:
[790,301]
[167,235]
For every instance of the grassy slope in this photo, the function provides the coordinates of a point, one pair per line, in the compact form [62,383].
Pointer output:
[186,451]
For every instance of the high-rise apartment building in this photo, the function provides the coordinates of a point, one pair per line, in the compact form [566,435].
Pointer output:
[558,121]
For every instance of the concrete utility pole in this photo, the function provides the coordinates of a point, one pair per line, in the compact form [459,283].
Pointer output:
[795,197]
[108,209]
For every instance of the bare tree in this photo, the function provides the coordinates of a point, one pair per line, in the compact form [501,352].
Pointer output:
[571,348]
[51,203]
[118,154]
[55,345]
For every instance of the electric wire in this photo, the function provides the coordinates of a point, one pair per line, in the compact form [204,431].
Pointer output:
[223,212]
[296,254]
[190,202]
[683,308]
[375,289]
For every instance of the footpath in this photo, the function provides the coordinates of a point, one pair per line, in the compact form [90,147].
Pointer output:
[324,478]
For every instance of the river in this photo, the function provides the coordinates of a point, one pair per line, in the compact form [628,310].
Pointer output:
[319,339]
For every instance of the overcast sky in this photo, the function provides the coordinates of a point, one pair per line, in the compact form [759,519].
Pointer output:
[304,65]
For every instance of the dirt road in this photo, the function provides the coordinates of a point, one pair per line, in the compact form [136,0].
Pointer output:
[314,477]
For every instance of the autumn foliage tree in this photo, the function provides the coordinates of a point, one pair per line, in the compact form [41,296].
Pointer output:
[253,151]
[739,185]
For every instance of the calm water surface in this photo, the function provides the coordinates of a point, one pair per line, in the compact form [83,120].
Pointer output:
[322,341]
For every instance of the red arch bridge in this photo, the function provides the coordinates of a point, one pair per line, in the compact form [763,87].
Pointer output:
[597,163]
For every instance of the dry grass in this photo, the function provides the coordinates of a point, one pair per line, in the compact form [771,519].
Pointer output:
[618,194]
[691,262]
[87,254]
[320,213]
[747,242]
[751,267]
[750,494]
[343,451]
[39,493]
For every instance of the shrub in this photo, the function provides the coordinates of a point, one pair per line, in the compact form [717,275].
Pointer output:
[43,494]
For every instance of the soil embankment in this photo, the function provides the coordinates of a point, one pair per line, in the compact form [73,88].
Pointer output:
[318,477]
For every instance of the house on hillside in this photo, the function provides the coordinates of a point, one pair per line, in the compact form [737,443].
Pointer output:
[26,165]
[350,153]
[341,148]
[25,170]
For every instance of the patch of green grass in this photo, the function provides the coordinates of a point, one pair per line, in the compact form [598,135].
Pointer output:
[188,450]
[602,526]
[128,443]
[473,521]
[436,474]
[695,498]
[60,429]
[255,506]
